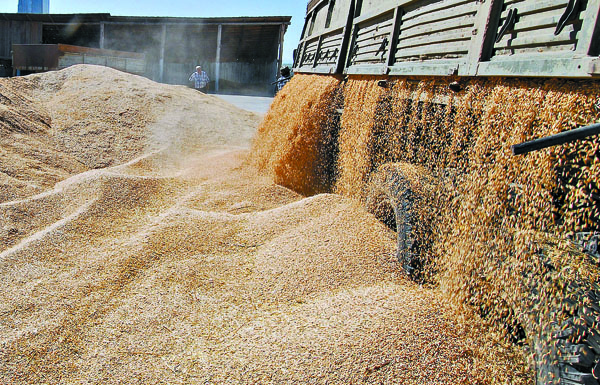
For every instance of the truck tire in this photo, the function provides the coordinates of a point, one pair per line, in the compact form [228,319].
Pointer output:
[397,195]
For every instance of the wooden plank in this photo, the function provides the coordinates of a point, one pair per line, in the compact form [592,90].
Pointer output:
[435,8]
[309,48]
[430,68]
[369,58]
[457,48]
[590,29]
[4,39]
[161,63]
[549,51]
[298,55]
[331,47]
[376,39]
[388,23]
[463,13]
[362,34]
[331,44]
[218,58]
[538,39]
[335,42]
[354,34]
[371,50]
[536,66]
[536,23]
[334,38]
[370,47]
[101,43]
[316,59]
[374,14]
[301,55]
[538,6]
[442,25]
[321,69]
[485,26]
[374,69]
[348,34]
[435,38]
[368,61]
[390,55]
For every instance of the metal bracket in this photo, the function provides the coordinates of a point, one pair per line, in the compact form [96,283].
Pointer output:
[569,15]
[594,68]
[354,50]
[508,25]
[383,48]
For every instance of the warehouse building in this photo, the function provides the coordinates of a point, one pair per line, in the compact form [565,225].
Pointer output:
[240,54]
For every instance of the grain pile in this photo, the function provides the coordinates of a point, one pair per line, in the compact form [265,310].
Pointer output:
[293,141]
[500,224]
[162,256]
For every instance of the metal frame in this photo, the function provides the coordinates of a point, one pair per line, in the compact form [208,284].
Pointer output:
[580,63]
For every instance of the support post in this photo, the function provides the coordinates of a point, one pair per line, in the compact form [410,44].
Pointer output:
[484,33]
[101,35]
[282,30]
[161,63]
[218,60]
[590,29]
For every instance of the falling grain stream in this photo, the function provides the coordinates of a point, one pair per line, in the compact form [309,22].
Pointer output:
[187,257]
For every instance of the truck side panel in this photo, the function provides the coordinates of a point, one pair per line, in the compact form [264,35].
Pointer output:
[553,38]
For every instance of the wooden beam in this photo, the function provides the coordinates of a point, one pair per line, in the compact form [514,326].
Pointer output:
[590,29]
[538,66]
[318,51]
[101,35]
[484,34]
[391,54]
[218,59]
[280,56]
[347,35]
[161,63]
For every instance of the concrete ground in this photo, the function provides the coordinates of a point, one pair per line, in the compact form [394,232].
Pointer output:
[257,104]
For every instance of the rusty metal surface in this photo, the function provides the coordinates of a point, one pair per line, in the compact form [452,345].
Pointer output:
[35,57]
[44,57]
[99,52]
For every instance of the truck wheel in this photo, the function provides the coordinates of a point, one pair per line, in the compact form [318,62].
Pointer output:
[397,195]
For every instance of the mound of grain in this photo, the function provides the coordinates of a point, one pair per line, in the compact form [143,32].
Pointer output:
[180,263]
[57,124]
[491,214]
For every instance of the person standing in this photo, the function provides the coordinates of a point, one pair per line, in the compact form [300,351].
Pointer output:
[200,79]
[285,77]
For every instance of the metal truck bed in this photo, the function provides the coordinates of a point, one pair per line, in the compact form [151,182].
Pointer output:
[532,38]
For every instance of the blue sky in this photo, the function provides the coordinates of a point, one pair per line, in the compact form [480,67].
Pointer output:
[189,8]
